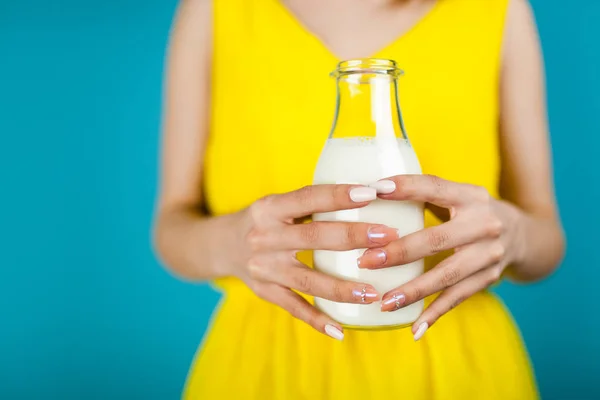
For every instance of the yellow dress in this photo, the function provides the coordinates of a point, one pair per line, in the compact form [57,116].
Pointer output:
[272,108]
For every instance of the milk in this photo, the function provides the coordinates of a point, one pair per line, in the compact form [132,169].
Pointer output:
[362,160]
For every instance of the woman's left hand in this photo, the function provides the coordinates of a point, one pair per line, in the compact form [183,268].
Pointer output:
[484,233]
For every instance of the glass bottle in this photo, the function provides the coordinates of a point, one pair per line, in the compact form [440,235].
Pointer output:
[368,142]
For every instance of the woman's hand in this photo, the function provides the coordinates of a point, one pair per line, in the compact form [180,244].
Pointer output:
[485,234]
[271,239]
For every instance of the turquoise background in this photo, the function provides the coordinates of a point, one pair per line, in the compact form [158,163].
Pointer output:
[86,312]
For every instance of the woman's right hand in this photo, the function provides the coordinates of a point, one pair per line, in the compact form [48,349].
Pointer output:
[271,239]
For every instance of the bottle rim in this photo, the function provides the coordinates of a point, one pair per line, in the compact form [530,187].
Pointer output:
[381,66]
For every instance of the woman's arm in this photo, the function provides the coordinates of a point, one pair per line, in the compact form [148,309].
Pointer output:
[526,158]
[190,244]
[521,234]
[258,244]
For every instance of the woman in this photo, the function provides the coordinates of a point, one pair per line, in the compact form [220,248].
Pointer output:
[248,107]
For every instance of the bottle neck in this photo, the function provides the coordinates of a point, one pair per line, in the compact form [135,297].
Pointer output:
[367,106]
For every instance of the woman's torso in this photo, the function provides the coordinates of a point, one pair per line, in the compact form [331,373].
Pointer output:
[272,108]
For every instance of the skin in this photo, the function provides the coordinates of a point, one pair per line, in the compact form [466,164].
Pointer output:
[519,236]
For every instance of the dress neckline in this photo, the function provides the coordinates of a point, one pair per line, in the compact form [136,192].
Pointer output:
[411,31]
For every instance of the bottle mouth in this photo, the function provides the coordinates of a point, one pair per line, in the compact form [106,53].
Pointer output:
[367,66]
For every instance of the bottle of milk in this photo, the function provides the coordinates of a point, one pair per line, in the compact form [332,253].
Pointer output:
[368,142]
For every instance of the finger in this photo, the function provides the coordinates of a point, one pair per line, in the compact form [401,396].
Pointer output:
[430,241]
[430,189]
[293,274]
[300,309]
[452,297]
[449,272]
[318,199]
[323,236]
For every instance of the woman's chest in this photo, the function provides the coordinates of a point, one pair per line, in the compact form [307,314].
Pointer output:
[269,125]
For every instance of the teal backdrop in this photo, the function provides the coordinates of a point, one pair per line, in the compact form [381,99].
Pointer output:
[86,311]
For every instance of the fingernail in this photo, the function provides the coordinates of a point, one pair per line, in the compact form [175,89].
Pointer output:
[362,194]
[372,258]
[393,303]
[382,234]
[421,331]
[334,332]
[366,294]
[384,187]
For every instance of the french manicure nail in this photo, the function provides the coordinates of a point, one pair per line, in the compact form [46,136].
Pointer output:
[384,187]
[393,303]
[362,194]
[421,331]
[382,234]
[334,332]
[366,294]
[372,258]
